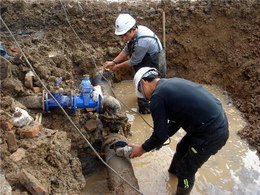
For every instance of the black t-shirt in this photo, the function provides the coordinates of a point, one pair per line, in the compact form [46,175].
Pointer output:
[180,103]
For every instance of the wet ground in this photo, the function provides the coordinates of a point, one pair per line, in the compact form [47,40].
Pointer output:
[233,170]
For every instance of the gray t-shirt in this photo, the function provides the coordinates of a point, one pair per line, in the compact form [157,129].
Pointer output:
[143,46]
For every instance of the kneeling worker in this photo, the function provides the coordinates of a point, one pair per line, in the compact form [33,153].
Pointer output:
[178,103]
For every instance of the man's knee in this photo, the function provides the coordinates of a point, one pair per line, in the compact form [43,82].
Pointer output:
[174,164]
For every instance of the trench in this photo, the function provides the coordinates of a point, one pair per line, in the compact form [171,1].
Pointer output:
[233,170]
[230,31]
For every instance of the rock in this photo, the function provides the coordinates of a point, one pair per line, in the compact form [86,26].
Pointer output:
[18,155]
[11,141]
[12,87]
[5,68]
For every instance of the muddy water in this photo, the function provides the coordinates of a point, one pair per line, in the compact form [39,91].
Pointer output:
[235,169]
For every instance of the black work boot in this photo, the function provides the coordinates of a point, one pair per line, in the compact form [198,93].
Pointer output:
[185,186]
[173,165]
[183,191]
[144,106]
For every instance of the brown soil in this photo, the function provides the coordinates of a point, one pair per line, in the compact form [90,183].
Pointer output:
[206,42]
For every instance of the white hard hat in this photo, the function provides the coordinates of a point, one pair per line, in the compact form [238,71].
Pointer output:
[124,23]
[137,78]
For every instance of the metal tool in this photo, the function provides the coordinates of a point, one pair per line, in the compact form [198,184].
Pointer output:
[125,151]
[121,148]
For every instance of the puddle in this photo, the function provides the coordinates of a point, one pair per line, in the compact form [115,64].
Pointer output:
[235,169]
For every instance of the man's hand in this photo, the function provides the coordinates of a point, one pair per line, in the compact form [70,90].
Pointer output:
[137,150]
[109,65]
[115,68]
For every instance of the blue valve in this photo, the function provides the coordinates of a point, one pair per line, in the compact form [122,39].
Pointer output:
[84,100]
[85,86]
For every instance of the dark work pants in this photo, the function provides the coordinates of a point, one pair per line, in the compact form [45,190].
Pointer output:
[194,150]
[157,61]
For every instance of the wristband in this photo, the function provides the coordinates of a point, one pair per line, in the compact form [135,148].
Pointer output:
[114,62]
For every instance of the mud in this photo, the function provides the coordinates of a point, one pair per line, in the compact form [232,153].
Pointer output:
[206,42]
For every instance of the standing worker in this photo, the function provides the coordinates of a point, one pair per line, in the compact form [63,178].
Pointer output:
[178,103]
[143,47]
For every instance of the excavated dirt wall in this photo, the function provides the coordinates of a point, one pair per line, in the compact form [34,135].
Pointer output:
[211,42]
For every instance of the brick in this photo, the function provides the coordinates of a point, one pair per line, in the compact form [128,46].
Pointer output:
[10,124]
[91,125]
[36,89]
[11,140]
[31,183]
[69,82]
[18,155]
[7,125]
[31,130]
[28,82]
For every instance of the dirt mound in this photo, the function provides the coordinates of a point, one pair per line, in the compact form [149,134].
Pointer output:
[207,42]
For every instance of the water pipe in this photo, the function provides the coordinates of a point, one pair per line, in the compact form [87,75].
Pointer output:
[121,165]
[73,101]
[88,98]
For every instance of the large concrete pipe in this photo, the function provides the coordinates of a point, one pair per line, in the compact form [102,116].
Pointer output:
[104,80]
[32,102]
[108,102]
[118,129]
[121,164]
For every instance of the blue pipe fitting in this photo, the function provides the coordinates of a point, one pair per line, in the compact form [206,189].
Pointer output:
[84,100]
[64,101]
